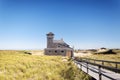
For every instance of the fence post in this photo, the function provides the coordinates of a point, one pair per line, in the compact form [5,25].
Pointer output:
[81,66]
[102,62]
[99,68]
[116,66]
[87,66]
[94,61]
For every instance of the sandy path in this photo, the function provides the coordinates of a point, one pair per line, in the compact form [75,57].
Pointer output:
[81,54]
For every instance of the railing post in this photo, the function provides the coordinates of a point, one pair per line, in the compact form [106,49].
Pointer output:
[116,66]
[87,60]
[99,68]
[87,66]
[102,62]
[94,61]
[81,66]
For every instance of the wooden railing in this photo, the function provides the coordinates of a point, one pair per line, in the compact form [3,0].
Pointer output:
[115,68]
[100,65]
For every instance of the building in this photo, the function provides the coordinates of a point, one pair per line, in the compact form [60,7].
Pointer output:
[57,47]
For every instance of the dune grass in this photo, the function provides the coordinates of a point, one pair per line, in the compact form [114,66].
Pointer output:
[108,57]
[15,65]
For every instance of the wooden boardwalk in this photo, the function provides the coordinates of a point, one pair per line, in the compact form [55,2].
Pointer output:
[97,72]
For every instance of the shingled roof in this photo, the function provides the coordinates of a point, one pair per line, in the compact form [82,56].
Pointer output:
[61,42]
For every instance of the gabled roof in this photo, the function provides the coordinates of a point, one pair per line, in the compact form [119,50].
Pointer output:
[61,42]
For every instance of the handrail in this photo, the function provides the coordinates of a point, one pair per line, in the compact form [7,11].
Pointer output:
[102,61]
[103,66]
[99,72]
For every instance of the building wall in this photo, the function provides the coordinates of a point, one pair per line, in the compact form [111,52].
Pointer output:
[62,52]
[58,45]
[49,42]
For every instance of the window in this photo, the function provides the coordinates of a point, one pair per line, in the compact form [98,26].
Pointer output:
[58,46]
[49,51]
[62,51]
[55,51]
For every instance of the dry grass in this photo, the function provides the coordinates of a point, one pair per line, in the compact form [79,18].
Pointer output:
[109,57]
[15,65]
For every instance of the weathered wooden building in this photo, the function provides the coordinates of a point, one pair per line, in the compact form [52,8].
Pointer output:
[57,47]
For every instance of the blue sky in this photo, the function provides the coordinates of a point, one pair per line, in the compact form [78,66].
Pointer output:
[83,24]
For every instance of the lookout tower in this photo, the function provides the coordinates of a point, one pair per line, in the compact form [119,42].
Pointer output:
[50,37]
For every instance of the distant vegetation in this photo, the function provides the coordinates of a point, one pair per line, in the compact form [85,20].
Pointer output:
[15,65]
[109,56]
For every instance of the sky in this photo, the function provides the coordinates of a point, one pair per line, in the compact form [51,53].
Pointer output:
[83,24]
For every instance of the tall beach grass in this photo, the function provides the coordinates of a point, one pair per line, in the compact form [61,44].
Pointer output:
[15,65]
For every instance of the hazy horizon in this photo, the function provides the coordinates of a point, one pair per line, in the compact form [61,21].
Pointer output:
[84,24]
